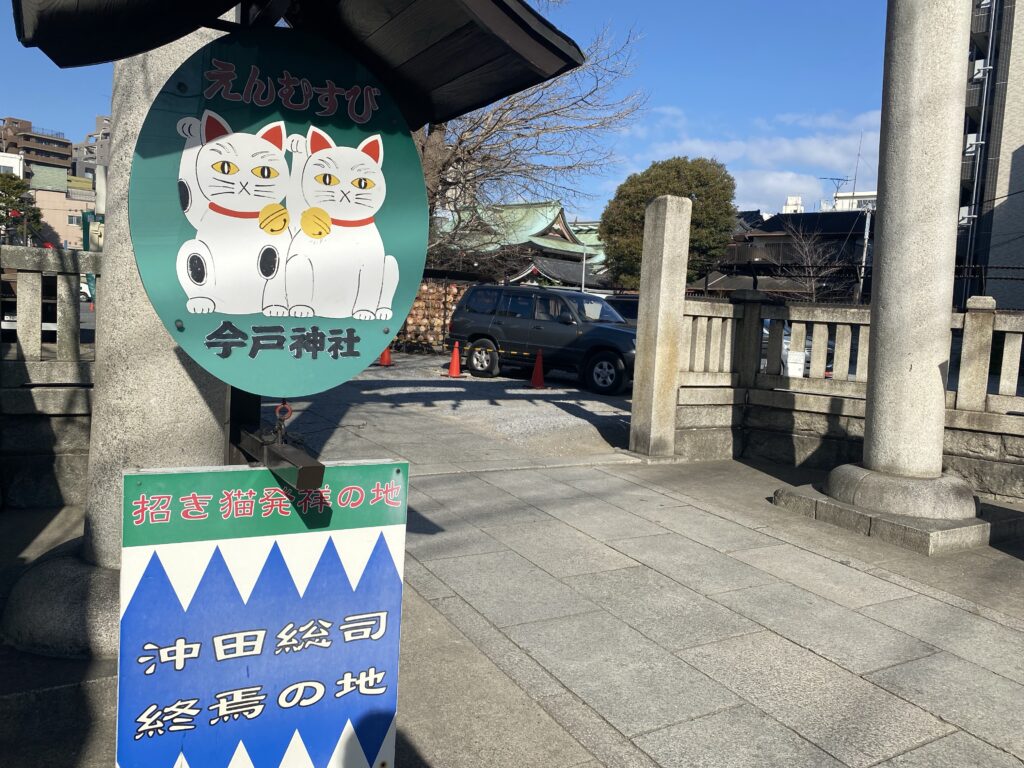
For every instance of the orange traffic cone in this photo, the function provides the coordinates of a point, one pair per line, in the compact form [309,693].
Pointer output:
[537,380]
[454,369]
[385,358]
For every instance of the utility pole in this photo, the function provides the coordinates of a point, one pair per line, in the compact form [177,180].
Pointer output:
[583,273]
[864,254]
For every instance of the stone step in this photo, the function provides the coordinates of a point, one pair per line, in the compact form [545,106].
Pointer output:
[56,712]
[995,522]
[27,534]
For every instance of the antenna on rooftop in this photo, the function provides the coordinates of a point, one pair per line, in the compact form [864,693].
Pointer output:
[838,183]
[857,166]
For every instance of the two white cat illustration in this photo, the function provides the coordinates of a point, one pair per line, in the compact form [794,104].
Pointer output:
[298,241]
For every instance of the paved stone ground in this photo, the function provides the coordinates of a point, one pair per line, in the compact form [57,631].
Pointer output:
[568,606]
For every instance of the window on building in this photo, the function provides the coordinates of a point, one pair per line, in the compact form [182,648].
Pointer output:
[76,220]
[6,169]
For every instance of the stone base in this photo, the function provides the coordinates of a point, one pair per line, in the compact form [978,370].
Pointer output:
[56,711]
[62,606]
[927,536]
[941,498]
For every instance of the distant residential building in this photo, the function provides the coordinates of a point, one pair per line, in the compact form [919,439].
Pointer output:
[851,201]
[39,146]
[794,204]
[798,255]
[748,220]
[46,177]
[62,216]
[13,164]
[93,151]
[992,207]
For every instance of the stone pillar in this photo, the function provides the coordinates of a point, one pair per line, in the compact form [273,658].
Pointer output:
[152,407]
[923,97]
[666,250]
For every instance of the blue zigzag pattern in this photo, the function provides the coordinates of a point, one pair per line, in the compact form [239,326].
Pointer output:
[155,615]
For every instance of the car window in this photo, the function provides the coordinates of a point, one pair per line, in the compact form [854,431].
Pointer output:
[627,309]
[549,308]
[594,309]
[483,301]
[517,305]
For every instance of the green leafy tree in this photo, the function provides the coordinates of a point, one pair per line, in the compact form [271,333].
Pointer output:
[706,182]
[17,209]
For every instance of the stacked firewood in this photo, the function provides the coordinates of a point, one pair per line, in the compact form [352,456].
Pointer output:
[427,323]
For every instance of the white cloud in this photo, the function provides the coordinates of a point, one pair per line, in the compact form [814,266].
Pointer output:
[787,155]
[768,190]
[832,120]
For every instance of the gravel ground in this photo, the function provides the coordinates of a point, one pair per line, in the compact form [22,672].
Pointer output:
[562,420]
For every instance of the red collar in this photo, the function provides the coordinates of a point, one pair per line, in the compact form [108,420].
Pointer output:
[234,214]
[351,223]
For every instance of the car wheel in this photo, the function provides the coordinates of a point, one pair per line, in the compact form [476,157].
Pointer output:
[605,373]
[482,358]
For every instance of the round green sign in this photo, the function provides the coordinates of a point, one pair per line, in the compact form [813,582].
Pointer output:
[278,212]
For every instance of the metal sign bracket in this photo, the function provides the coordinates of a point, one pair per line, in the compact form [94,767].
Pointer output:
[246,442]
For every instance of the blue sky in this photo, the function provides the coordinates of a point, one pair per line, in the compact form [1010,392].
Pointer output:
[781,92]
[778,91]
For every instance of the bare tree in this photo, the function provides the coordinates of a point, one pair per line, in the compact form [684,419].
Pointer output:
[817,269]
[534,145]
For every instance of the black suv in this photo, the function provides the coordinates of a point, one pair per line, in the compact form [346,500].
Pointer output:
[576,332]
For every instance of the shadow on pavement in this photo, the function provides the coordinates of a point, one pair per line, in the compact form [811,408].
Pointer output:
[406,755]
[420,386]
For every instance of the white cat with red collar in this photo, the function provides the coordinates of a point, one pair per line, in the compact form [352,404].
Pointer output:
[336,265]
[231,186]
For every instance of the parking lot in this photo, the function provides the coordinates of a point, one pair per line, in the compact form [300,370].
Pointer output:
[455,422]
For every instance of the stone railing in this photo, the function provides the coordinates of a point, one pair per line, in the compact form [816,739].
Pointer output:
[831,345]
[45,376]
[786,382]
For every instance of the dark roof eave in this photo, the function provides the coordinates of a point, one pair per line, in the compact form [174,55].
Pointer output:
[439,58]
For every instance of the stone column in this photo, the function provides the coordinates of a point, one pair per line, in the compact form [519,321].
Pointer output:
[666,250]
[923,97]
[152,407]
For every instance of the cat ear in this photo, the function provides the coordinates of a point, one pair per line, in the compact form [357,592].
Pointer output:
[318,140]
[374,148]
[214,126]
[274,133]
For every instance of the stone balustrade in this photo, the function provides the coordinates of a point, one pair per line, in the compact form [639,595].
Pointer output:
[46,377]
[787,382]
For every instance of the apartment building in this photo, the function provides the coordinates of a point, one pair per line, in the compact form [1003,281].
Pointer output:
[40,146]
[991,246]
[93,151]
[45,159]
